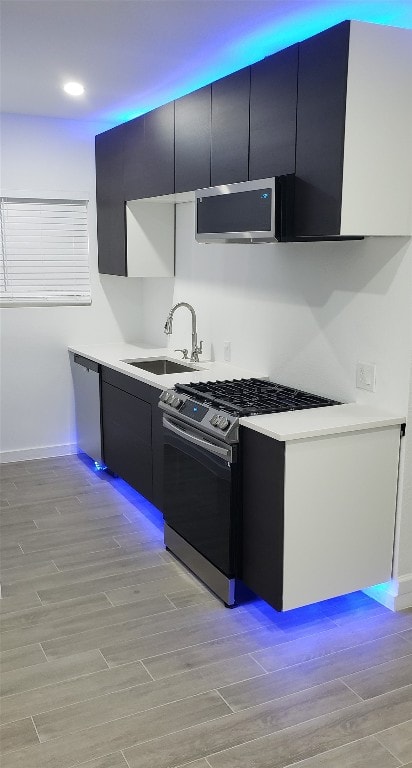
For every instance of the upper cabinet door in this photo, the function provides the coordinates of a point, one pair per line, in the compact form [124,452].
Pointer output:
[110,202]
[133,157]
[273,99]
[323,68]
[192,140]
[149,154]
[230,128]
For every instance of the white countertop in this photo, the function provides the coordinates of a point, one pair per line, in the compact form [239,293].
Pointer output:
[113,355]
[291,425]
[314,422]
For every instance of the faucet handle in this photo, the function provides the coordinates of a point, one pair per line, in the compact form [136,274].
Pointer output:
[197,350]
[185,353]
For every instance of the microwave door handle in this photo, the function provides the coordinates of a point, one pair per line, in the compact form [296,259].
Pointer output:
[223,453]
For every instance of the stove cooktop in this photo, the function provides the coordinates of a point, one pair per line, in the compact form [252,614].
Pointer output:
[249,397]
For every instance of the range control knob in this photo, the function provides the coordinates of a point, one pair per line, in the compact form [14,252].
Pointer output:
[214,420]
[174,401]
[223,423]
[164,396]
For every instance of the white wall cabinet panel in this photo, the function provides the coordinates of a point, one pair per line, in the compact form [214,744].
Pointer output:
[150,238]
[377,165]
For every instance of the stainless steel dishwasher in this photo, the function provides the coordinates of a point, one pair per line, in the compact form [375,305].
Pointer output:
[86,381]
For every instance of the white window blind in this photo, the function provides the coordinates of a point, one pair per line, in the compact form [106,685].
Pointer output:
[44,252]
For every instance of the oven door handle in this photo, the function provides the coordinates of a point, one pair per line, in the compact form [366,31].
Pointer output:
[190,437]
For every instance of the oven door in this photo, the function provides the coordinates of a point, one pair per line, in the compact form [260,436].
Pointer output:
[201,493]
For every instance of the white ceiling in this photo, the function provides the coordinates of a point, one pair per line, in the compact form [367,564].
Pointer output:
[133,55]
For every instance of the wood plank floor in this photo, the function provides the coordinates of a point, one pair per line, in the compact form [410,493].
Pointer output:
[113,655]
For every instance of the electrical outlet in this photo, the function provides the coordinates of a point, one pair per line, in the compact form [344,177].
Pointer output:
[366,376]
[227,351]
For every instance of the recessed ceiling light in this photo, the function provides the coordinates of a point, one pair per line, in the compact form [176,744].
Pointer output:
[74,89]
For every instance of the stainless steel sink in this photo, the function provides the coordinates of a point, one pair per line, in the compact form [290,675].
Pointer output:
[161,365]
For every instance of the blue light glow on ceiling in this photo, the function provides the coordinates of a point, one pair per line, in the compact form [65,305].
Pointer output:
[220,57]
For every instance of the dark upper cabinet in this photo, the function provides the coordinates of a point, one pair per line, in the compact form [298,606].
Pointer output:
[133,157]
[192,140]
[149,154]
[273,98]
[110,202]
[314,109]
[323,68]
[230,128]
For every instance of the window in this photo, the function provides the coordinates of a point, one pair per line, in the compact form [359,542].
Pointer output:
[44,256]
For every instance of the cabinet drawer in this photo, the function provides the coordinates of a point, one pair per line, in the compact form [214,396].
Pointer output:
[132,386]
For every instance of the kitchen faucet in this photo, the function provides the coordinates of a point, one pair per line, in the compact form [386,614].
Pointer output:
[196,350]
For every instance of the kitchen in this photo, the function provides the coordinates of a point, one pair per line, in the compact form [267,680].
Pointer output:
[280,319]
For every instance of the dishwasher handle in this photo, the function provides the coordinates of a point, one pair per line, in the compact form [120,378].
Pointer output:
[223,452]
[86,363]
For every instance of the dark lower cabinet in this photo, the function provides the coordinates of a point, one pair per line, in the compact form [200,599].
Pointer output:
[273,95]
[127,438]
[157,453]
[230,128]
[132,433]
[263,477]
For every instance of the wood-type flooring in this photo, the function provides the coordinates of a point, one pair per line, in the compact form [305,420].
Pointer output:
[114,655]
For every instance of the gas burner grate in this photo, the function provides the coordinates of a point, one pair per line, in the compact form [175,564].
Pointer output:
[247,397]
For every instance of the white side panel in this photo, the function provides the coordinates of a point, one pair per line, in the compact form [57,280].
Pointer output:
[395,594]
[150,239]
[377,172]
[340,498]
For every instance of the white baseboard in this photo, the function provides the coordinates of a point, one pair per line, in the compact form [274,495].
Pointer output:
[42,452]
[395,594]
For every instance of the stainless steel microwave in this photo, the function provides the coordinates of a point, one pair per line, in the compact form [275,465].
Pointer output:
[246,212]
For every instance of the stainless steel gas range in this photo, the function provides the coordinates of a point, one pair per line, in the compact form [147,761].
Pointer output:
[202,471]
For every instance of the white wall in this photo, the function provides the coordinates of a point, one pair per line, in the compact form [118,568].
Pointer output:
[305,314]
[40,155]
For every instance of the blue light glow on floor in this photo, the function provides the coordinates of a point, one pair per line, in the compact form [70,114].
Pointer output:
[149,520]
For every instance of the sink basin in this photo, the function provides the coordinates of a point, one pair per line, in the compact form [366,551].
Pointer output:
[161,365]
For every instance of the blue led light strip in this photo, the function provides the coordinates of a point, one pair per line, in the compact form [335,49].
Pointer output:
[269,33]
